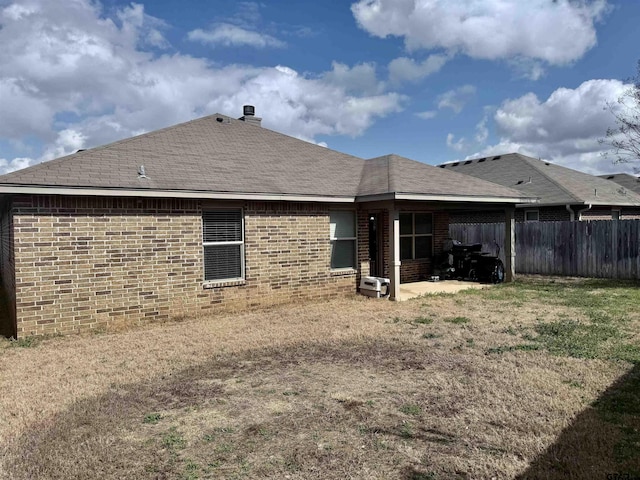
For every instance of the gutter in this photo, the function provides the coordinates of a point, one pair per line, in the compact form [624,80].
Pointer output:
[196,194]
[579,212]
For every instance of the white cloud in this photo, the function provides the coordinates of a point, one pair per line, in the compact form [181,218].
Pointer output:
[230,35]
[72,78]
[557,32]
[406,69]
[482,132]
[457,98]
[563,128]
[458,145]
[429,114]
[7,166]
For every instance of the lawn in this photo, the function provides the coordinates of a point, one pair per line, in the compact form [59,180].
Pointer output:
[536,379]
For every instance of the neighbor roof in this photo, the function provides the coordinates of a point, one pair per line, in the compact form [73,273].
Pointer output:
[221,157]
[553,184]
[630,182]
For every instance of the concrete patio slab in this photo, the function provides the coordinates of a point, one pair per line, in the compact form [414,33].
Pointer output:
[415,289]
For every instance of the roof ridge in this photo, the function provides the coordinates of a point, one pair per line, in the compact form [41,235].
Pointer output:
[544,174]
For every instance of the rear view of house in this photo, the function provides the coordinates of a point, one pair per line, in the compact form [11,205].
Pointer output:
[212,214]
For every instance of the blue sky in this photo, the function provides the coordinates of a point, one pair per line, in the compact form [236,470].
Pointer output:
[432,80]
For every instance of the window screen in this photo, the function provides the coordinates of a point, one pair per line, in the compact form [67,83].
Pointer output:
[223,241]
[343,238]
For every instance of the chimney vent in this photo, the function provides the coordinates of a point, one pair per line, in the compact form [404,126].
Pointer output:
[248,110]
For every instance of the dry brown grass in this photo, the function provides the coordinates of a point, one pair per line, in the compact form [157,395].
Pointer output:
[353,388]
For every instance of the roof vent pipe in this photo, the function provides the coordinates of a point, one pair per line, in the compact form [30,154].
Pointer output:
[141,172]
[249,112]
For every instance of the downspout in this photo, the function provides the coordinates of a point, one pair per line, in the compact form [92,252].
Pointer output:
[572,214]
[579,212]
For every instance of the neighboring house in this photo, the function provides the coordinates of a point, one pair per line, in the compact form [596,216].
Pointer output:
[630,182]
[564,194]
[212,214]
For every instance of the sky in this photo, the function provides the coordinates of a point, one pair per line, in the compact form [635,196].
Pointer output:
[431,80]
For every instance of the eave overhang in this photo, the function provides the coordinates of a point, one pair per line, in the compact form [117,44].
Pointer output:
[195,194]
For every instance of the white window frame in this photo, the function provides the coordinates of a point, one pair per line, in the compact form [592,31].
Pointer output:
[413,235]
[333,239]
[527,212]
[237,242]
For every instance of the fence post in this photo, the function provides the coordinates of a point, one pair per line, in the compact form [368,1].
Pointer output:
[510,244]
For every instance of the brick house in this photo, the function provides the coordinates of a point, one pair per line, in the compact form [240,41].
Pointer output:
[216,213]
[564,194]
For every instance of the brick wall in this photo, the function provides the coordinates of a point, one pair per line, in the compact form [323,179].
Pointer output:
[88,262]
[549,214]
[605,213]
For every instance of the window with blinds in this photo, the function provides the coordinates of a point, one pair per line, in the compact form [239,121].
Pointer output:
[343,239]
[223,242]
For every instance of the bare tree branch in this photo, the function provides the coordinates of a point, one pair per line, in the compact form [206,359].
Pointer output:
[624,139]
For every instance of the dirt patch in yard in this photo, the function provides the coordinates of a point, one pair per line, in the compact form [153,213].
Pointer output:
[446,386]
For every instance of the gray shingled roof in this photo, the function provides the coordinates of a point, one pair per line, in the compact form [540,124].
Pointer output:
[553,184]
[630,182]
[220,154]
[393,173]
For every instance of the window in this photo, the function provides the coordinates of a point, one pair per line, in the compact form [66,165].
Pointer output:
[416,236]
[531,216]
[343,239]
[615,214]
[223,241]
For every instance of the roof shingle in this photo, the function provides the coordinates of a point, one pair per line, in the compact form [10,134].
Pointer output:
[219,154]
[553,184]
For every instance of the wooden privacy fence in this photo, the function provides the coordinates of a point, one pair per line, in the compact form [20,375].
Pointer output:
[605,248]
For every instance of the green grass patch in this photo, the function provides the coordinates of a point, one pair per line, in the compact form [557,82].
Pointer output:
[575,339]
[423,320]
[25,342]
[173,440]
[411,409]
[152,418]
[457,320]
[430,335]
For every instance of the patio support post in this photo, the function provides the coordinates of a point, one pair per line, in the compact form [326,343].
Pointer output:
[510,244]
[394,251]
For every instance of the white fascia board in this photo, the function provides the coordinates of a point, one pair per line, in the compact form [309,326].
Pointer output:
[465,198]
[593,204]
[115,192]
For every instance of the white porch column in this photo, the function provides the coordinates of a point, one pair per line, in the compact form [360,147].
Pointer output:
[509,244]
[394,254]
